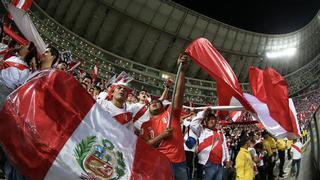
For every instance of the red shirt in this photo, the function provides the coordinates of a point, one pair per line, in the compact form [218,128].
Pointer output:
[215,156]
[172,147]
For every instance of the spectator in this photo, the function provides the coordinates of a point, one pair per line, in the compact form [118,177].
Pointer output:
[244,163]
[270,157]
[211,155]
[15,71]
[190,143]
[281,154]
[169,141]
[296,157]
[62,66]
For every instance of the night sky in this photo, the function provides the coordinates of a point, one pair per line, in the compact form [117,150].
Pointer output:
[263,16]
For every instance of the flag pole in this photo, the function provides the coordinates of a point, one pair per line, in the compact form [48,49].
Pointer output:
[173,94]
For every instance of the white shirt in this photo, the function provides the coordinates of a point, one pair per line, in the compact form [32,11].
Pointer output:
[186,124]
[102,96]
[122,115]
[13,77]
[296,154]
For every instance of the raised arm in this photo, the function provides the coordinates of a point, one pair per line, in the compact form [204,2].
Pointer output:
[195,124]
[165,92]
[178,97]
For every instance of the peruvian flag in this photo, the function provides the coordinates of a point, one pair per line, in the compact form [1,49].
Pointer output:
[94,73]
[22,4]
[48,132]
[208,58]
[270,100]
[236,116]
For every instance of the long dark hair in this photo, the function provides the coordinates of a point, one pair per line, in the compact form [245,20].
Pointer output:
[32,53]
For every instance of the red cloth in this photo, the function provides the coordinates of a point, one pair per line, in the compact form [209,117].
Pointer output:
[208,58]
[22,4]
[271,88]
[172,147]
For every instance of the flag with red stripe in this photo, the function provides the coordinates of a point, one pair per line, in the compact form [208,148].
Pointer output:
[48,132]
[270,100]
[208,58]
[236,116]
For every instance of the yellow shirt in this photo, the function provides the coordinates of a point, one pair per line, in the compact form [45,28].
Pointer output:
[267,147]
[289,143]
[272,143]
[304,132]
[281,145]
[244,165]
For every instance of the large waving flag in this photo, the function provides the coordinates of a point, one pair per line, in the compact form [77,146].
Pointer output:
[270,100]
[48,132]
[208,58]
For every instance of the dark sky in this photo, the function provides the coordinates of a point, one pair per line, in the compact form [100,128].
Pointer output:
[264,16]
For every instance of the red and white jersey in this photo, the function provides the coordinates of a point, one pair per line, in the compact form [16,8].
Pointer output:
[296,150]
[14,72]
[122,115]
[210,142]
[140,113]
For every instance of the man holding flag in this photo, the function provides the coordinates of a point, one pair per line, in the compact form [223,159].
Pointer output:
[168,140]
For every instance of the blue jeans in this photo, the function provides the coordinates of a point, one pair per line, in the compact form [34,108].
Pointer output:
[293,168]
[180,171]
[212,171]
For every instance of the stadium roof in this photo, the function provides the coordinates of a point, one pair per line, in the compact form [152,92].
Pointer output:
[271,17]
[154,32]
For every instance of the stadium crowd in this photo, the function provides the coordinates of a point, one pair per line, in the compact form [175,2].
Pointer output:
[198,145]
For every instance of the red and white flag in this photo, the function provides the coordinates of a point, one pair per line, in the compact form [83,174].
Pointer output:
[208,58]
[94,73]
[48,132]
[270,100]
[22,4]
[236,116]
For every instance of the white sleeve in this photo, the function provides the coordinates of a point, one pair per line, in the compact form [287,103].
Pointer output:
[195,123]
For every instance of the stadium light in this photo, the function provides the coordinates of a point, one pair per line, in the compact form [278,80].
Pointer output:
[165,76]
[282,53]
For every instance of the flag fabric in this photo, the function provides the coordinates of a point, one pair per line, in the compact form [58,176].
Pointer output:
[236,116]
[26,27]
[270,100]
[208,58]
[94,73]
[14,35]
[22,4]
[48,132]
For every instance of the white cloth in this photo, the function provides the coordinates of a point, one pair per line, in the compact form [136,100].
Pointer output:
[296,154]
[204,133]
[13,77]
[25,25]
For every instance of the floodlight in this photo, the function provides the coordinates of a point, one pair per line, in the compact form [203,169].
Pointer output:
[281,53]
